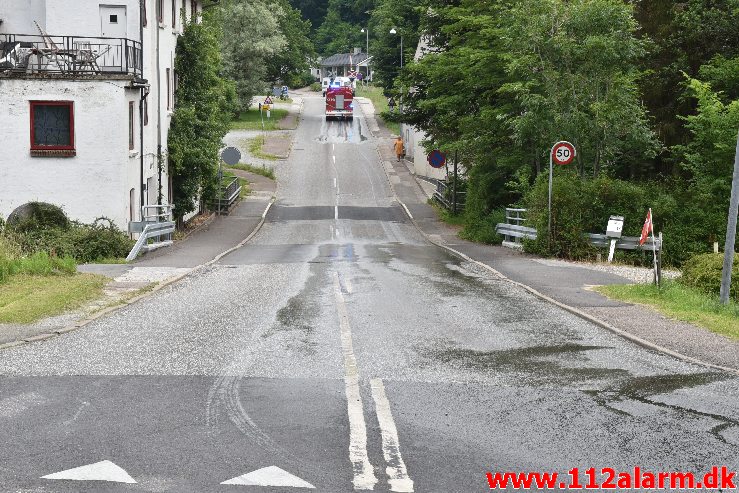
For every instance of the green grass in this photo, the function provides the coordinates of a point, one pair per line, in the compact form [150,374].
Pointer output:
[374,94]
[251,120]
[257,170]
[38,264]
[255,149]
[682,303]
[110,260]
[446,215]
[27,298]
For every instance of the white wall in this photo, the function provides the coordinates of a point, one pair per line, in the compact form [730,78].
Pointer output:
[104,170]
[88,185]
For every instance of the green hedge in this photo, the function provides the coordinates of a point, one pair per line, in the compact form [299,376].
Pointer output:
[584,206]
[703,272]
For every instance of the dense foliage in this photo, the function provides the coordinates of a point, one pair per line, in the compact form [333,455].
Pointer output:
[648,93]
[44,238]
[204,104]
[704,273]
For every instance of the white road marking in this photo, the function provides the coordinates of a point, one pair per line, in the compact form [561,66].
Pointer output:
[364,472]
[99,471]
[396,471]
[406,210]
[348,286]
[336,212]
[270,476]
[334,158]
[334,182]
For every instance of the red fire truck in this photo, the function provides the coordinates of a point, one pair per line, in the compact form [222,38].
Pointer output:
[340,102]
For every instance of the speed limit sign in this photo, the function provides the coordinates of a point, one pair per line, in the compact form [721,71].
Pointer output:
[563,153]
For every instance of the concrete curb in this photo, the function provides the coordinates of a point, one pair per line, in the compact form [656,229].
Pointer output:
[575,311]
[106,311]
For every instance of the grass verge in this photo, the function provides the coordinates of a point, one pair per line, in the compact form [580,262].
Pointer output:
[255,149]
[27,298]
[257,170]
[682,303]
[446,215]
[379,101]
[252,120]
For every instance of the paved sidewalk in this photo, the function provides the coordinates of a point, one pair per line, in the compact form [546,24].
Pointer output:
[563,282]
[160,266]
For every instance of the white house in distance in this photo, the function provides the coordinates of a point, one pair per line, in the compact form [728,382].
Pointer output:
[412,137]
[86,97]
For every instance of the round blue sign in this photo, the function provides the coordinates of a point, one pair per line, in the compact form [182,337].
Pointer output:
[436,159]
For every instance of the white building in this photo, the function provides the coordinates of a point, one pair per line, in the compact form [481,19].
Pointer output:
[413,137]
[86,97]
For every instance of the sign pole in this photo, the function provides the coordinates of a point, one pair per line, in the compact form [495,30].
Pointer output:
[730,232]
[454,198]
[551,166]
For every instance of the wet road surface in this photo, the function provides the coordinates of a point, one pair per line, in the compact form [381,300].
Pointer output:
[342,348]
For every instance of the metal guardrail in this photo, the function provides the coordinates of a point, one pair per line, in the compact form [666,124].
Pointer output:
[514,233]
[152,230]
[443,196]
[69,55]
[227,197]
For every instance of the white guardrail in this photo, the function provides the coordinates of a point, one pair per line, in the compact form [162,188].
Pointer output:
[157,223]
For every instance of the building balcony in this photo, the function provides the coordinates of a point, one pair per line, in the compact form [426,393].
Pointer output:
[28,55]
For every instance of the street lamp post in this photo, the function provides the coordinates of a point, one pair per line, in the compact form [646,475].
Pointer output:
[395,31]
[366,31]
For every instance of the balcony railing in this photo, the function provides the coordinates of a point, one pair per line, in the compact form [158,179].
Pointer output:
[69,55]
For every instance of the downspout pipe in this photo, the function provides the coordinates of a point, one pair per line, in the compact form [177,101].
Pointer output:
[159,113]
[144,94]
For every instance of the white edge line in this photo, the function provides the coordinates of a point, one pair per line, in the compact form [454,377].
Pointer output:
[406,210]
[396,471]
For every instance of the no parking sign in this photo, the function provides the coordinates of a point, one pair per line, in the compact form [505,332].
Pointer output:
[436,159]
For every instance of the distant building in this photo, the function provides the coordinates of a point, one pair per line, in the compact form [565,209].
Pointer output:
[412,137]
[341,64]
[86,96]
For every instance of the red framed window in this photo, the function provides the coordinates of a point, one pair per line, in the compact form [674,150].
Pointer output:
[131,125]
[193,10]
[174,13]
[52,125]
[143,14]
[160,11]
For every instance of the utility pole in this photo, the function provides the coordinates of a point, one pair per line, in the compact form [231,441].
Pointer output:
[731,231]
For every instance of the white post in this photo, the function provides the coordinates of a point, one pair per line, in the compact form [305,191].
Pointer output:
[730,231]
[612,250]
[654,250]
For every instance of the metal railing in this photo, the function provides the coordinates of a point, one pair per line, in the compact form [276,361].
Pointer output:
[444,195]
[152,230]
[69,55]
[156,223]
[226,196]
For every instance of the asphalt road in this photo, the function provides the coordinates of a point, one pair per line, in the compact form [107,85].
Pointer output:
[342,348]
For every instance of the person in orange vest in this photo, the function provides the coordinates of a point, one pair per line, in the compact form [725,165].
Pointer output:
[399,149]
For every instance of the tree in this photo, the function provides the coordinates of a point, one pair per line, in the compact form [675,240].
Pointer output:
[298,53]
[253,37]
[201,114]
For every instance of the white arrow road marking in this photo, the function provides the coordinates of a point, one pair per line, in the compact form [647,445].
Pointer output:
[364,473]
[396,471]
[99,471]
[270,476]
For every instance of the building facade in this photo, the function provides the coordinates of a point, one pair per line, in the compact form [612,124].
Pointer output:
[86,98]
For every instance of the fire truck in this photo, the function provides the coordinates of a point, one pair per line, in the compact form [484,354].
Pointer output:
[340,102]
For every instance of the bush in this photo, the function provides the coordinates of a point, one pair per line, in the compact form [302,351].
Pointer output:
[83,242]
[37,215]
[703,272]
[303,79]
[315,87]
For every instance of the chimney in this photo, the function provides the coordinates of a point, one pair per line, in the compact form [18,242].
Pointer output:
[357,51]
